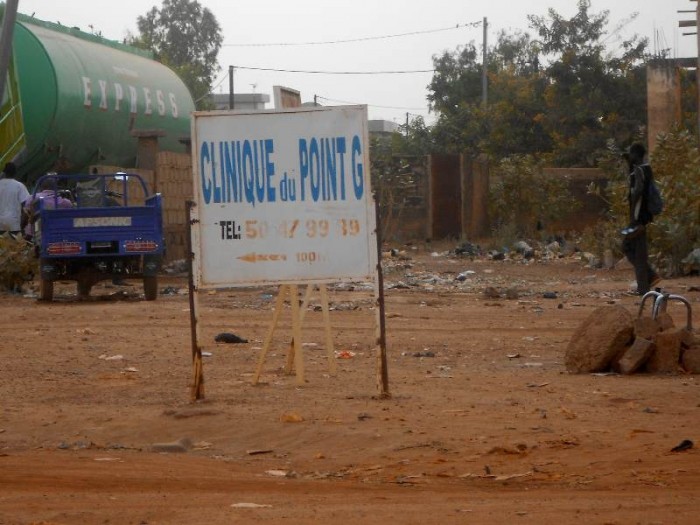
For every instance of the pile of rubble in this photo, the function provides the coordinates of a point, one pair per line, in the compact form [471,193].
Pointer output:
[612,339]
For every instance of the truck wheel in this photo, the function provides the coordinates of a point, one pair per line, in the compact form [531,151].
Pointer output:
[150,287]
[84,288]
[45,290]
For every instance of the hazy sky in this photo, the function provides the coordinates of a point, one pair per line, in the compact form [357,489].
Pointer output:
[389,97]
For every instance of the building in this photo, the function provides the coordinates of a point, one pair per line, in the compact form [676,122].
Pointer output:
[241,101]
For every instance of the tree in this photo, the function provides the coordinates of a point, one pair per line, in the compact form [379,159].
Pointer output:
[590,97]
[559,97]
[187,38]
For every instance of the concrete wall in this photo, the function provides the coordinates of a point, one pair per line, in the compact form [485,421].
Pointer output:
[663,98]
[447,197]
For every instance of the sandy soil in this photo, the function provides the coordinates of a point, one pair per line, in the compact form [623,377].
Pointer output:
[484,425]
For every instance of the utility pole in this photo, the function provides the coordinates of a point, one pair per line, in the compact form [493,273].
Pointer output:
[484,75]
[231,104]
[8,26]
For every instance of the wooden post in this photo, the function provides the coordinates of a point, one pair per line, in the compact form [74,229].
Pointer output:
[296,331]
[197,387]
[332,366]
[382,371]
[279,305]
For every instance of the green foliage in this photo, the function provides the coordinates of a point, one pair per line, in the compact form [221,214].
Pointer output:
[560,96]
[187,38]
[676,231]
[522,197]
[17,262]
[390,174]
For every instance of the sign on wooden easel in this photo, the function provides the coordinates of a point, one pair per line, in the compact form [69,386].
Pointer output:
[295,358]
[282,197]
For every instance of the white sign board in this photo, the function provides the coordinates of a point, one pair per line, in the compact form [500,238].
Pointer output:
[282,197]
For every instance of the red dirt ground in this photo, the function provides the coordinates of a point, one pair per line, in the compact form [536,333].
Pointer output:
[484,424]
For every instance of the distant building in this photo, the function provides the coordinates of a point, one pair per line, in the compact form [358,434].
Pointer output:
[241,101]
[382,127]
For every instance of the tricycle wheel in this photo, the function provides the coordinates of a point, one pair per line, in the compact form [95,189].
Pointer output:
[84,288]
[150,287]
[45,290]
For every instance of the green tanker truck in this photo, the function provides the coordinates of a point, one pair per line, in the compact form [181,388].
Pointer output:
[74,99]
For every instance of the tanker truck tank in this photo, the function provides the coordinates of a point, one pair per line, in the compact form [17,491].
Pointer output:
[82,98]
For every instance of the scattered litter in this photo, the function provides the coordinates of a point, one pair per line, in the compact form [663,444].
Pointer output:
[532,364]
[117,357]
[250,506]
[488,475]
[291,417]
[131,369]
[536,385]
[108,459]
[277,473]
[549,295]
[363,416]
[207,354]
[344,354]
[169,290]
[513,356]
[424,354]
[686,444]
[227,337]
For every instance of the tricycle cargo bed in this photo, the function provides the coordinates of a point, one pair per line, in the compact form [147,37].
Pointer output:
[124,230]
[88,229]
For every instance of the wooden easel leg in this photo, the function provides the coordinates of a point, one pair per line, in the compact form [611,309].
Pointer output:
[332,366]
[296,329]
[279,305]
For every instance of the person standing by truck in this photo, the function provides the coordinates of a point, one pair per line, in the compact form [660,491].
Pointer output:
[12,194]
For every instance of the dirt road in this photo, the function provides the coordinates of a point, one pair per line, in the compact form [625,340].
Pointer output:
[484,425]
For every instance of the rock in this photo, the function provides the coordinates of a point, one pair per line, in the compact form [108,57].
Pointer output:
[608,260]
[491,292]
[636,355]
[666,356]
[512,294]
[691,359]
[599,340]
[646,327]
[692,262]
[469,249]
[524,249]
[665,321]
[176,447]
[549,295]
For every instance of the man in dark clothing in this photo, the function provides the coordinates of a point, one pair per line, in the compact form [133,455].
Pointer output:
[635,241]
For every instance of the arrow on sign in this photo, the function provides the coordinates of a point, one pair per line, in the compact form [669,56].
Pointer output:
[262,257]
